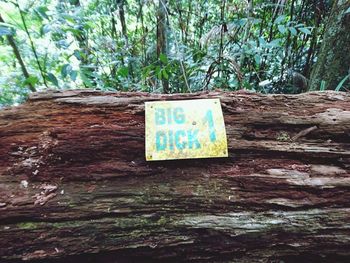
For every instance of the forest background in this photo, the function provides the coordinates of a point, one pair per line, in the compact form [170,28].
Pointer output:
[171,46]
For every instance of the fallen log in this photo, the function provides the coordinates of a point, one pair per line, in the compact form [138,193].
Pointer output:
[75,185]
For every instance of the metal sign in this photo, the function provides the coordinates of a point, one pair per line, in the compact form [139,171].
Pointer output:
[185,129]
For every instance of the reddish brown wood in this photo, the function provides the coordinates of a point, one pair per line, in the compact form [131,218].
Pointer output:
[75,186]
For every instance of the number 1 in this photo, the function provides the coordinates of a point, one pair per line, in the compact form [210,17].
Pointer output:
[210,120]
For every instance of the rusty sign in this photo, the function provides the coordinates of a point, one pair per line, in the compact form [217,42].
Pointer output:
[185,129]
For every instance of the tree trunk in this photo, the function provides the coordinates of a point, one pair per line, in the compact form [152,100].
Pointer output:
[120,4]
[162,40]
[333,63]
[75,186]
[18,56]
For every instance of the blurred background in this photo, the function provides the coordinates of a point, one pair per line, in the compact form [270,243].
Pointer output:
[168,46]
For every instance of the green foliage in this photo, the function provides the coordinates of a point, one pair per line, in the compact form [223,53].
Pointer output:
[51,77]
[341,83]
[211,44]
[5,30]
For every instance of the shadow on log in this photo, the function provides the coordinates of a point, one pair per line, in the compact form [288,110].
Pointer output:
[75,186]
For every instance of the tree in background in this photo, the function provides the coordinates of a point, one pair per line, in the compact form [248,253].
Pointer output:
[160,45]
[162,42]
[17,54]
[333,63]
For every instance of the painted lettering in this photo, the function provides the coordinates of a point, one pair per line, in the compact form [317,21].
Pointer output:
[171,140]
[179,140]
[160,116]
[179,115]
[161,140]
[209,118]
[192,139]
[169,115]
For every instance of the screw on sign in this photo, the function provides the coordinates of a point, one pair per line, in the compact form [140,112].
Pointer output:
[185,129]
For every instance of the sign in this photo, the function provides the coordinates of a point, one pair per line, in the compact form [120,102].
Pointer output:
[185,129]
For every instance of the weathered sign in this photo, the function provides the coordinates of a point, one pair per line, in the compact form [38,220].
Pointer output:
[185,129]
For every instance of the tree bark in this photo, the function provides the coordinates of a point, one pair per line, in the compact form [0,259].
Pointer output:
[121,4]
[162,39]
[333,62]
[75,186]
[36,56]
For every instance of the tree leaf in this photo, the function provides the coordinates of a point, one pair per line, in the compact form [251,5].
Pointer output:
[305,30]
[146,70]
[165,74]
[163,58]
[347,11]
[74,31]
[257,59]
[158,72]
[73,75]
[77,54]
[41,12]
[280,19]
[293,31]
[45,29]
[123,72]
[69,18]
[85,79]
[5,31]
[51,77]
[282,29]
[275,43]
[66,69]
[341,83]
[31,80]
[262,42]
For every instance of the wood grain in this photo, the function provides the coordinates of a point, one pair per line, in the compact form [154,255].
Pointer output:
[75,186]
